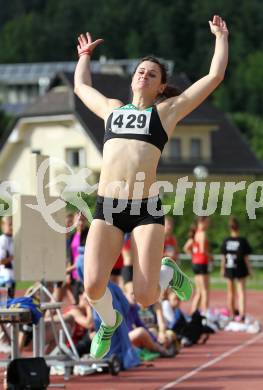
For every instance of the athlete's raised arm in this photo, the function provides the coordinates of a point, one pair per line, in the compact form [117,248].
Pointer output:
[93,99]
[193,96]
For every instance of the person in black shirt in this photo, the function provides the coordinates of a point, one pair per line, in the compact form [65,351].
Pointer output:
[235,267]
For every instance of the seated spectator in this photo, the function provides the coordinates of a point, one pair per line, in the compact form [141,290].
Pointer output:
[77,239]
[82,325]
[171,310]
[62,289]
[7,256]
[139,335]
[154,320]
[79,321]
[189,330]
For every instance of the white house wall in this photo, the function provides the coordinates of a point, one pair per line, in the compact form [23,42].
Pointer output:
[51,139]
[15,167]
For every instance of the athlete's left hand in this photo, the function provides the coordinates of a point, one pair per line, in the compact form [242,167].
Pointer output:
[218,26]
[86,44]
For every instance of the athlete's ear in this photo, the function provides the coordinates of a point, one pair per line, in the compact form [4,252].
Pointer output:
[162,88]
[132,82]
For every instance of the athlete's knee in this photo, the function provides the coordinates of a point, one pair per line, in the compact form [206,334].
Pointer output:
[93,289]
[145,296]
[204,293]
[140,331]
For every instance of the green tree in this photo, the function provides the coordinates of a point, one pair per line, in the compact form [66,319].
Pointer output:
[22,39]
[252,127]
[5,121]
[248,83]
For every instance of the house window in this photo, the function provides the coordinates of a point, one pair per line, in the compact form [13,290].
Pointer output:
[12,95]
[175,148]
[75,157]
[36,151]
[196,148]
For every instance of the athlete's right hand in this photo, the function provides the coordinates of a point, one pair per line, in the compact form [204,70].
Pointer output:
[86,45]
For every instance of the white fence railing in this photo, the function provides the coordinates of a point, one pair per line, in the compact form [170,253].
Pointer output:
[256,260]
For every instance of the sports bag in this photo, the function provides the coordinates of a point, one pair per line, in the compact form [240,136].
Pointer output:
[27,373]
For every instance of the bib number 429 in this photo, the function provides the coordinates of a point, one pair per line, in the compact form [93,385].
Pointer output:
[127,122]
[132,120]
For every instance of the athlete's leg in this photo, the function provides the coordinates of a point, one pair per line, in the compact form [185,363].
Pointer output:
[102,249]
[231,296]
[204,282]
[241,293]
[197,295]
[148,244]
[150,271]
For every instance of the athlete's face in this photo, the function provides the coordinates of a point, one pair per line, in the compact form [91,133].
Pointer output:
[204,224]
[80,222]
[173,300]
[147,79]
[7,226]
[69,220]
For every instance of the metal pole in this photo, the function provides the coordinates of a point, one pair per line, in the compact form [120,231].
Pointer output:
[14,341]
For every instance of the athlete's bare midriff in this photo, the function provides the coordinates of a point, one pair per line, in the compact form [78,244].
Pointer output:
[123,159]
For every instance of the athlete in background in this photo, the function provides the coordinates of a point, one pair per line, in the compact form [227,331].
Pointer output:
[235,267]
[197,246]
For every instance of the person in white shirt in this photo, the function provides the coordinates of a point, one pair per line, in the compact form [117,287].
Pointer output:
[7,256]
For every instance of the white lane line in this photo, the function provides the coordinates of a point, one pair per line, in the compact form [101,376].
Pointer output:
[211,362]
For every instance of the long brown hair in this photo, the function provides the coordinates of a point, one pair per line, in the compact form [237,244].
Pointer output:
[193,227]
[233,224]
[170,90]
[192,230]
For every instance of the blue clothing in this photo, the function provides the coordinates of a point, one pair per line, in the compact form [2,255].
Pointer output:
[178,315]
[120,344]
[133,318]
[27,303]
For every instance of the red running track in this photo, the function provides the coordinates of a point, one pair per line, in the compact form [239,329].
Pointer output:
[228,361]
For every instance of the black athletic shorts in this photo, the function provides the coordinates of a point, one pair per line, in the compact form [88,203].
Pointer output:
[200,269]
[57,284]
[239,272]
[127,273]
[116,271]
[129,213]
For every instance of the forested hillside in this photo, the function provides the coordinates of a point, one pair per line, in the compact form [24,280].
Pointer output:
[46,30]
